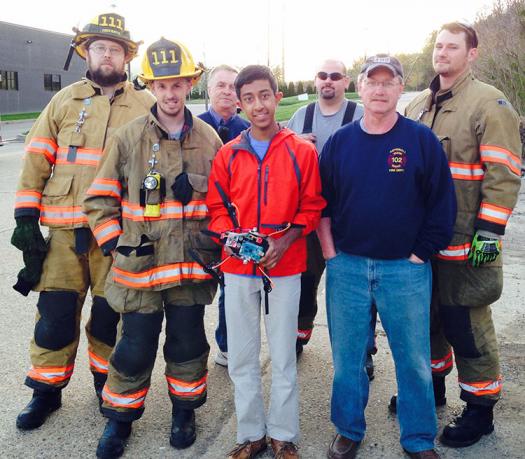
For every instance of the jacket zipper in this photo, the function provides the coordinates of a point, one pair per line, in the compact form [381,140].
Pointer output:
[259,182]
[259,165]
[266,173]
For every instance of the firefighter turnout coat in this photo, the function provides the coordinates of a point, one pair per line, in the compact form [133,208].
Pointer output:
[65,146]
[153,253]
[479,131]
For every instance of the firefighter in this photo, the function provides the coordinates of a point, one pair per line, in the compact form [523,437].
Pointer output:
[63,150]
[479,131]
[147,207]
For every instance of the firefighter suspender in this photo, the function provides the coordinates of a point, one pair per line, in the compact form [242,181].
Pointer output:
[309,116]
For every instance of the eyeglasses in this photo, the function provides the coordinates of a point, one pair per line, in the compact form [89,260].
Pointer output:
[388,84]
[334,76]
[101,50]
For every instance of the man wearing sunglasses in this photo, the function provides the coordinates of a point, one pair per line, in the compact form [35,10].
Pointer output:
[222,116]
[316,122]
[479,131]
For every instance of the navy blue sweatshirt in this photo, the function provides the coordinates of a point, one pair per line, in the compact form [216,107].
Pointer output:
[388,195]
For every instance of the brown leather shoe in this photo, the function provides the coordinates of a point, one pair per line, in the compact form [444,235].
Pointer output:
[248,449]
[428,454]
[342,448]
[283,449]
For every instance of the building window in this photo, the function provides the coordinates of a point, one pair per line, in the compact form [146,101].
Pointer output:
[8,80]
[52,82]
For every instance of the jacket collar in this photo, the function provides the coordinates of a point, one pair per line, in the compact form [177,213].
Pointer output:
[439,96]
[161,131]
[244,141]
[86,88]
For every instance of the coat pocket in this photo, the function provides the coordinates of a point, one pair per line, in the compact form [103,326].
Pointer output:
[58,203]
[196,208]
[58,187]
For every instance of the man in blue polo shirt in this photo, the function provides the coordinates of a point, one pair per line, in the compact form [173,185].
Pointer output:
[222,116]
[390,207]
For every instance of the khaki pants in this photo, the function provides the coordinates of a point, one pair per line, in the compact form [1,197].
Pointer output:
[244,297]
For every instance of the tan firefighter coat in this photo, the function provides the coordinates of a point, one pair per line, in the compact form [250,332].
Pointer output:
[153,253]
[65,146]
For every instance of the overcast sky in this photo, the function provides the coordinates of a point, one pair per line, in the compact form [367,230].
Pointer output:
[240,32]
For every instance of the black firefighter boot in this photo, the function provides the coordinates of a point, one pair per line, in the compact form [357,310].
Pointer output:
[469,427]
[113,439]
[39,408]
[438,383]
[99,380]
[182,428]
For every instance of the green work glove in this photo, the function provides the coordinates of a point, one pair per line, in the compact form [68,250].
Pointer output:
[485,248]
[29,276]
[28,238]
[27,235]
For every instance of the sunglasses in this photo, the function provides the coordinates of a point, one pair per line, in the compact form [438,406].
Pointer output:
[334,76]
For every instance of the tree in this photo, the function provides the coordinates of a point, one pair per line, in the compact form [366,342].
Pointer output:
[300,88]
[501,59]
[278,74]
[291,89]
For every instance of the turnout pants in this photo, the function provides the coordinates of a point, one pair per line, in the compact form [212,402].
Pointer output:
[74,264]
[461,322]
[186,353]
[244,298]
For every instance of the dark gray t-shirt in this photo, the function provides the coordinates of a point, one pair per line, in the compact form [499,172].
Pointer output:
[322,126]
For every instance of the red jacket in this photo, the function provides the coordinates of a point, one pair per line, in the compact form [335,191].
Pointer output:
[284,187]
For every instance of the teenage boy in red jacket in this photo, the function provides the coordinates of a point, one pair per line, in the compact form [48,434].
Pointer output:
[270,177]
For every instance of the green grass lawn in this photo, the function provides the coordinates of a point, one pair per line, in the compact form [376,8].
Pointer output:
[19,116]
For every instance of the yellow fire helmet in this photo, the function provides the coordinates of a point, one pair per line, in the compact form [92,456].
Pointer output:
[169,59]
[108,26]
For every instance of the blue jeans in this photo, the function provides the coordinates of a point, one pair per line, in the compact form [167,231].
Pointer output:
[401,292]
[371,345]
[221,335]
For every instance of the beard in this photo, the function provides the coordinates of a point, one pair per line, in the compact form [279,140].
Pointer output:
[171,112]
[327,93]
[106,78]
